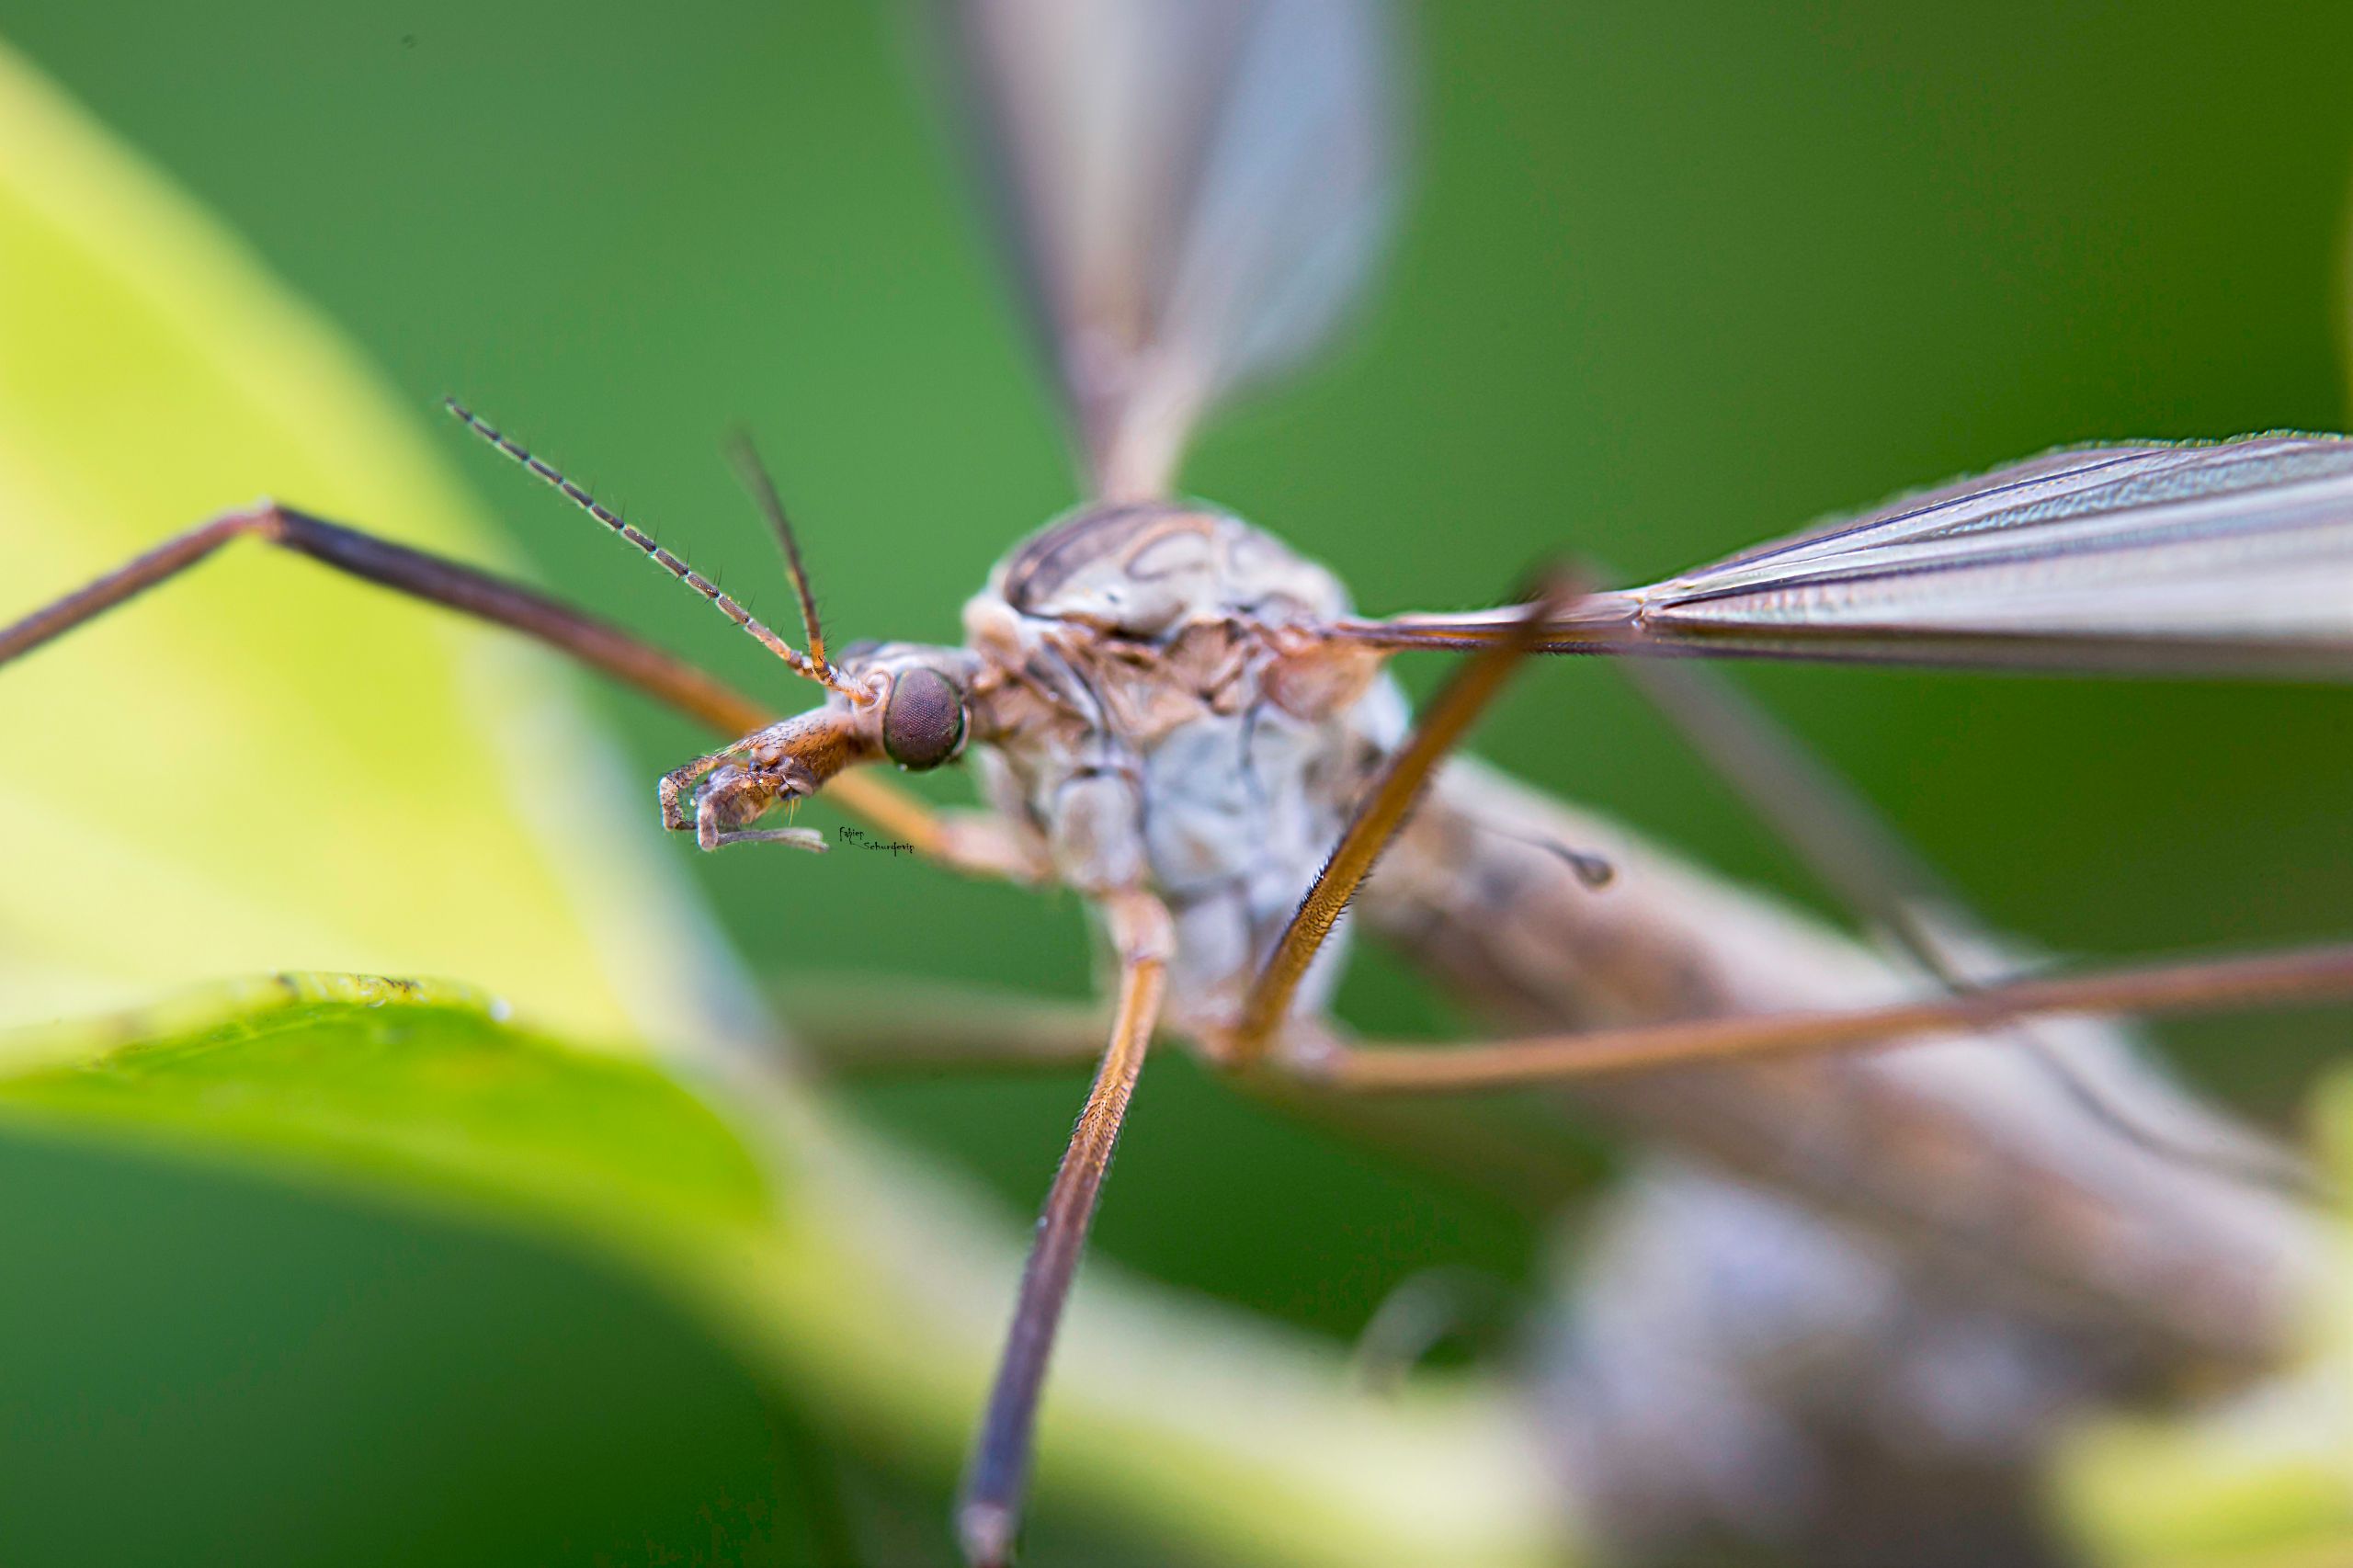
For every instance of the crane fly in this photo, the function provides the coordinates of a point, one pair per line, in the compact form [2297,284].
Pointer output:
[1173,714]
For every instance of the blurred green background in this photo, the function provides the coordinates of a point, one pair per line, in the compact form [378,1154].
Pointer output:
[1673,279]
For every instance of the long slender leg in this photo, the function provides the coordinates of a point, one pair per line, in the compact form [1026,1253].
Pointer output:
[981,848]
[1848,847]
[988,1513]
[977,843]
[1383,811]
[862,1030]
[1863,860]
[2297,976]
[421,575]
[878,1028]
[174,555]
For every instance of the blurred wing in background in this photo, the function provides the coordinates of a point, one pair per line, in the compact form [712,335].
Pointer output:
[1194,191]
[2228,559]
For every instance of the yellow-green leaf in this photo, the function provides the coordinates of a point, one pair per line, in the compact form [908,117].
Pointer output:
[264,768]
[2264,1482]
[261,764]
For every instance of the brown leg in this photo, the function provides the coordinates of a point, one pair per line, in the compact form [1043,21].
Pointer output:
[980,848]
[676,782]
[1860,860]
[1844,842]
[876,1027]
[862,1030]
[977,843]
[988,1514]
[421,575]
[2294,977]
[1383,811]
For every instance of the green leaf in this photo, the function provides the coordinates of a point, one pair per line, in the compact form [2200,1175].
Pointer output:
[403,1084]
[264,765]
[2265,1481]
[261,764]
[858,1290]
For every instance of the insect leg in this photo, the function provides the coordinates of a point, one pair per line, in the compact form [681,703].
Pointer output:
[674,782]
[886,1027]
[1863,862]
[2278,978]
[1383,811]
[988,1511]
[421,575]
[980,849]
[1845,844]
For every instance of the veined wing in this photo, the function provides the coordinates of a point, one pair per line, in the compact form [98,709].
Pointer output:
[2231,558]
[1194,191]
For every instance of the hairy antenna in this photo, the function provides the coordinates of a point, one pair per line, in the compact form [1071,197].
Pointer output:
[755,474]
[815,669]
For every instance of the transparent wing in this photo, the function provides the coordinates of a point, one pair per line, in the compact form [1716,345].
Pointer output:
[2234,558]
[1194,191]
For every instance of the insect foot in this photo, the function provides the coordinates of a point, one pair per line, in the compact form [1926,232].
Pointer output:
[735,797]
[985,1531]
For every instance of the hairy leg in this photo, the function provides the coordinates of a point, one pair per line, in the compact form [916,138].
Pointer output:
[1267,1007]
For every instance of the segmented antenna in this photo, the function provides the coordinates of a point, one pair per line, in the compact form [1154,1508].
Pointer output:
[815,669]
[755,474]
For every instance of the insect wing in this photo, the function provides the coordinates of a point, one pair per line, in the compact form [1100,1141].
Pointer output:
[1194,191]
[2234,558]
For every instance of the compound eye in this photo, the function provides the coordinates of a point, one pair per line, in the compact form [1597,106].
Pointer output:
[923,724]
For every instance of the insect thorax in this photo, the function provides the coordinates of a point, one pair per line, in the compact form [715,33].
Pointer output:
[1153,697]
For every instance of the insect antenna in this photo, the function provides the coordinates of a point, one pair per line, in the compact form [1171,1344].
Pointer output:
[754,475]
[814,669]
